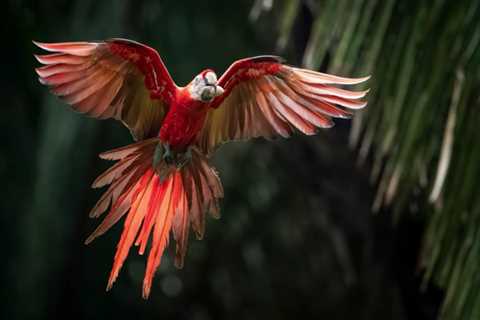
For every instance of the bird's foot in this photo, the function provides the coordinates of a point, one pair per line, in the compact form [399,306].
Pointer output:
[157,155]
[185,158]
[168,155]
[164,156]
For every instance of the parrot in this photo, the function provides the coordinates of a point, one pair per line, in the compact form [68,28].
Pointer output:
[163,184]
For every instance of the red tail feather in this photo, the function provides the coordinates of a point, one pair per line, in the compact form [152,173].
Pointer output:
[159,203]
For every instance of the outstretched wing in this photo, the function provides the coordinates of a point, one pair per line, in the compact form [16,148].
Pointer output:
[117,78]
[264,97]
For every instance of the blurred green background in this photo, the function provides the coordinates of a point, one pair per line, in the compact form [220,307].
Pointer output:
[375,219]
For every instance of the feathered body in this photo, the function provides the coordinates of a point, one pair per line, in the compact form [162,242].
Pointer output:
[163,183]
[183,121]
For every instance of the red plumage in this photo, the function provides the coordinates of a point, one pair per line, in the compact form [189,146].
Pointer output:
[164,183]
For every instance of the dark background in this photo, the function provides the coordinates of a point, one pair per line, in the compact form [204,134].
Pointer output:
[296,239]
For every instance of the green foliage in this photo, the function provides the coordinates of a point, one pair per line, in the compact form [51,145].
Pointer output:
[421,127]
[296,218]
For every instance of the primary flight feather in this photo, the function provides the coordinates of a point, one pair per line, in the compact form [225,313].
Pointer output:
[163,182]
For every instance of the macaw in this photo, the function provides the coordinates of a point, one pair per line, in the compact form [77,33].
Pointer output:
[163,183]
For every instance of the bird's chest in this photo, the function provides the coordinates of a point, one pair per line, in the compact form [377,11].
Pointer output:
[182,125]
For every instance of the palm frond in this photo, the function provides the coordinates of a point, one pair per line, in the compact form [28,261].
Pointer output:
[420,131]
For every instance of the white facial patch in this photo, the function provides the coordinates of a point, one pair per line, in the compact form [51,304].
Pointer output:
[211,78]
[205,88]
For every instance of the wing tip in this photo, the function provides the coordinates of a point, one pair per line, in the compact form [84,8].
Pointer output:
[104,155]
[363,79]
[268,58]
[38,58]
[43,45]
[90,238]
[96,184]
[329,125]
[40,71]
[345,115]
[38,43]
[42,81]
[362,105]
[362,94]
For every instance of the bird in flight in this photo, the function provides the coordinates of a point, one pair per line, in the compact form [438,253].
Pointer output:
[163,182]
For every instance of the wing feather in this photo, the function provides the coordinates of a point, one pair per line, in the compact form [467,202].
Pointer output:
[264,97]
[117,78]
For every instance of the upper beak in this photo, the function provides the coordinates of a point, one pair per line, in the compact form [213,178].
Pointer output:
[219,91]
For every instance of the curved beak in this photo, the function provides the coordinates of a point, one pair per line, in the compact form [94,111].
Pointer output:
[218,91]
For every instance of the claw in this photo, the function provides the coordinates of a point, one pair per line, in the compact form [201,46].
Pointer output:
[164,157]
[187,156]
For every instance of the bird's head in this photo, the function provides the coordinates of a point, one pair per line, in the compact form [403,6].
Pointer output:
[204,86]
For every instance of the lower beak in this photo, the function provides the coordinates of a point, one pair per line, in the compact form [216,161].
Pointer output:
[219,91]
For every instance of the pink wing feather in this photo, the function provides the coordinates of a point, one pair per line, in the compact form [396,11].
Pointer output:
[264,97]
[120,79]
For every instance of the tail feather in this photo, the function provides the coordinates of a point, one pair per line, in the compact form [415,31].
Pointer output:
[123,174]
[181,226]
[156,203]
[102,204]
[113,172]
[116,213]
[161,231]
[126,180]
[215,188]
[122,152]
[157,196]
[132,223]
[196,212]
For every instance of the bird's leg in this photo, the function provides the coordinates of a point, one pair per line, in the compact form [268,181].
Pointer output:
[157,155]
[168,155]
[163,159]
[163,153]
[186,157]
